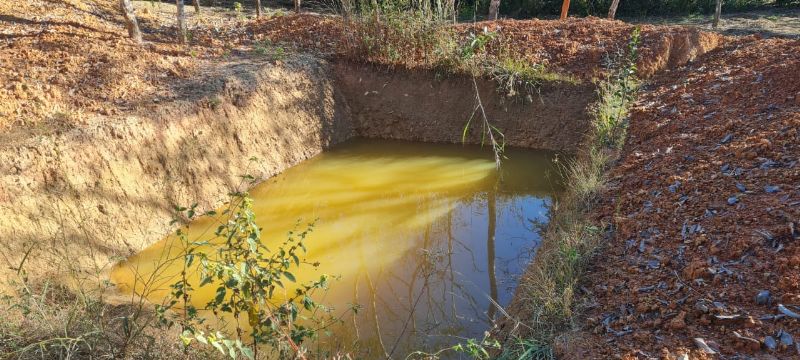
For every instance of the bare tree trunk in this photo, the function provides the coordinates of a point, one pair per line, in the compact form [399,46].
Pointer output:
[612,11]
[717,13]
[297,6]
[130,21]
[181,22]
[564,9]
[258,8]
[197,6]
[377,11]
[494,8]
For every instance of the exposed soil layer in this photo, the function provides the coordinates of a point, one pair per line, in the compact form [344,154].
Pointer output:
[421,106]
[106,190]
[705,208]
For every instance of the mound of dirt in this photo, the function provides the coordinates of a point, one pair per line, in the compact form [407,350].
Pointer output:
[705,207]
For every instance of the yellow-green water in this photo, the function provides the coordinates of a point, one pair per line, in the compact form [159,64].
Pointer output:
[421,236]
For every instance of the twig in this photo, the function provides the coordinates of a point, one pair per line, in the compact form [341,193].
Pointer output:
[497,147]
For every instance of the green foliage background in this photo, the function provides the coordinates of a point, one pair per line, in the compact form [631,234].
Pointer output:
[630,8]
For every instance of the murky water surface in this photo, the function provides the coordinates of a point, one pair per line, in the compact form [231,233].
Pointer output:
[423,237]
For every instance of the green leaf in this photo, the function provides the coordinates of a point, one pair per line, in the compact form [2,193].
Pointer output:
[221,291]
[289,276]
[218,346]
[189,259]
[246,351]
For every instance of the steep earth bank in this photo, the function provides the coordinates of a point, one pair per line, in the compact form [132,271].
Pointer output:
[422,105]
[94,193]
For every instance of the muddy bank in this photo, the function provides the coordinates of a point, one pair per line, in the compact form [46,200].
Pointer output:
[91,195]
[426,106]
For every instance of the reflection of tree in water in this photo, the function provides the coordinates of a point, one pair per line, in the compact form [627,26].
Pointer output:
[437,293]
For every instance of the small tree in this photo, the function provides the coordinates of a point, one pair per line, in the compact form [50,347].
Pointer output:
[494,8]
[297,6]
[251,287]
[130,21]
[258,8]
[717,13]
[181,22]
[197,6]
[612,10]
[564,9]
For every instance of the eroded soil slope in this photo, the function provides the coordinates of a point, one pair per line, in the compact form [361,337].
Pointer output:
[705,204]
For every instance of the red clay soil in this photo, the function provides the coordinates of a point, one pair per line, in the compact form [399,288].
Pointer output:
[705,207]
[578,47]
[64,62]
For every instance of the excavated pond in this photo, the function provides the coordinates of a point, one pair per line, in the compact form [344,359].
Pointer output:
[424,238]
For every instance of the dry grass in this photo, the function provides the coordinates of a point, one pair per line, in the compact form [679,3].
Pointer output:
[548,290]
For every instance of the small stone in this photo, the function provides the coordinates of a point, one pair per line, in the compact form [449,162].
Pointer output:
[726,139]
[785,311]
[701,344]
[741,187]
[771,189]
[770,343]
[674,187]
[768,164]
[763,297]
[785,338]
[733,200]
[701,306]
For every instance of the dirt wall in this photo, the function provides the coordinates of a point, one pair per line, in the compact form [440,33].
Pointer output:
[92,195]
[425,106]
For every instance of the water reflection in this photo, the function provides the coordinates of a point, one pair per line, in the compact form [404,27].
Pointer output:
[421,235]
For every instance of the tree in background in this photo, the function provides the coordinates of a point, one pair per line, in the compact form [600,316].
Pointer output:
[717,13]
[196,6]
[612,10]
[494,8]
[181,22]
[130,21]
[564,9]
[258,8]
